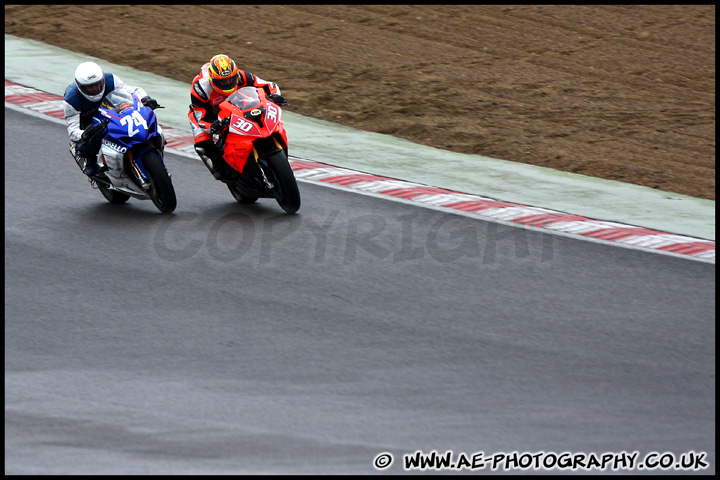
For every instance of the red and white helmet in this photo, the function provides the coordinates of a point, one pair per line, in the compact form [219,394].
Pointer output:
[224,74]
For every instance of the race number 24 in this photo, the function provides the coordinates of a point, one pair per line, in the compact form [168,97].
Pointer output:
[133,120]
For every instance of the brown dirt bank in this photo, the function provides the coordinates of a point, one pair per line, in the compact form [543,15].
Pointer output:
[624,93]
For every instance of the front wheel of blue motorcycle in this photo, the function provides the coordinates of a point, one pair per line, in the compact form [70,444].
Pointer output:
[161,190]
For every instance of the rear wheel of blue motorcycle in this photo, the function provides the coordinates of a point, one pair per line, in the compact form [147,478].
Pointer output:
[286,188]
[161,192]
[111,195]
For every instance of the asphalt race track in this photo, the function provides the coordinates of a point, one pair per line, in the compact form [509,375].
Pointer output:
[235,339]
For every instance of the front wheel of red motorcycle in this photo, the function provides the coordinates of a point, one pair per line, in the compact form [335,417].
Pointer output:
[285,188]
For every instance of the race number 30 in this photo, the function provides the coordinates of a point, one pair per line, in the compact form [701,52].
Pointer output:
[242,125]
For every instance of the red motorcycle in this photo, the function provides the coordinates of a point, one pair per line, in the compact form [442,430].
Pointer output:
[254,144]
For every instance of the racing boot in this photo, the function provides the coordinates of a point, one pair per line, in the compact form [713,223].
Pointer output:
[91,167]
[89,151]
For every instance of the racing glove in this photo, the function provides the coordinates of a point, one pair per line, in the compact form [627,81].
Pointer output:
[92,130]
[150,102]
[219,125]
[277,98]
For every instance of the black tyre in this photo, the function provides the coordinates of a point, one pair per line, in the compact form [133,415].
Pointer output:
[286,188]
[112,196]
[239,196]
[161,189]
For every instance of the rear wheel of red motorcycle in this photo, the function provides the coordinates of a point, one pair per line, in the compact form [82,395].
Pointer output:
[239,196]
[286,188]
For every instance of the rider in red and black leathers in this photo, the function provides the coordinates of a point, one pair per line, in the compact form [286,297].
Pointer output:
[217,80]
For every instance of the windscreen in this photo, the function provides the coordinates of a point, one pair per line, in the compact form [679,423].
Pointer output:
[245,98]
[118,100]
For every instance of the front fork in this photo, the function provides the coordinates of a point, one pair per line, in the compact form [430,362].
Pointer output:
[268,184]
[140,173]
[139,169]
[278,146]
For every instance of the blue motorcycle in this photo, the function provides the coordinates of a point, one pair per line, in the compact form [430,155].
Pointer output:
[131,154]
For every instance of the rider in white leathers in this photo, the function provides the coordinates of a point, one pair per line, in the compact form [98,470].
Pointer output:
[81,101]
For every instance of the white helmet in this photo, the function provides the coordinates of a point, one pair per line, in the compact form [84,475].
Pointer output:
[90,80]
